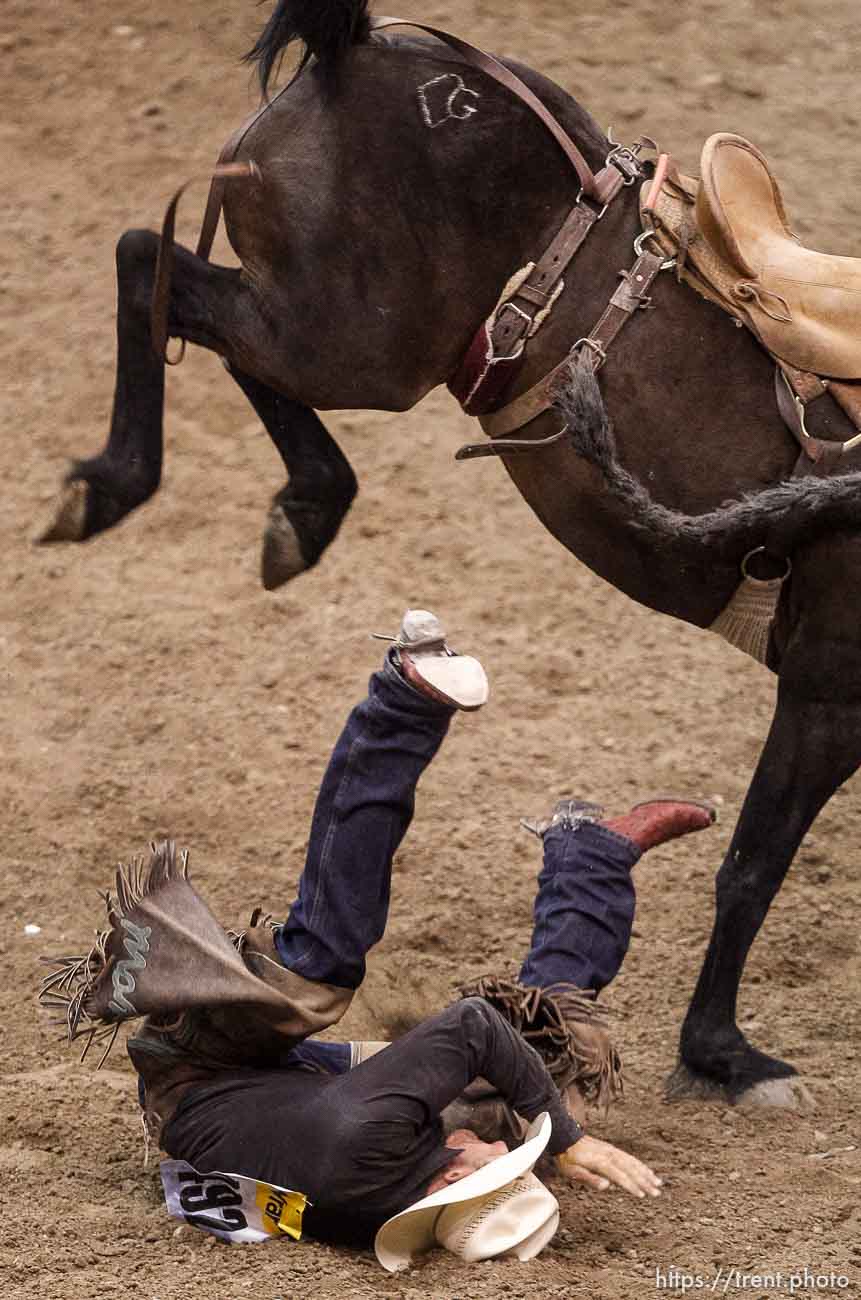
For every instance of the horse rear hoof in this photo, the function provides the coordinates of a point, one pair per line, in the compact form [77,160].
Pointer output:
[685,1084]
[282,557]
[70,516]
[782,1094]
[778,1085]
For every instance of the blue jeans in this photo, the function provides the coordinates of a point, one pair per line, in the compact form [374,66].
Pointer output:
[584,908]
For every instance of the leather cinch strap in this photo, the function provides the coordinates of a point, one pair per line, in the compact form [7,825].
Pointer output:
[796,391]
[631,296]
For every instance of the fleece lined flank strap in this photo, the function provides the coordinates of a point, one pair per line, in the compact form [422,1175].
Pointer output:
[496,353]
[631,296]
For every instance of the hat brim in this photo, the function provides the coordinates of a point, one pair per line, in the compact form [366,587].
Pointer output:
[412,1230]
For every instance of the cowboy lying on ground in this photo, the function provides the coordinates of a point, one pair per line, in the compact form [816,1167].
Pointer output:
[231,1078]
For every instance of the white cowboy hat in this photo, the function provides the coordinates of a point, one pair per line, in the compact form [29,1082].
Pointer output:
[502,1208]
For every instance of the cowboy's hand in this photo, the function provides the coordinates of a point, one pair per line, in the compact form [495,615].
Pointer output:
[598,1164]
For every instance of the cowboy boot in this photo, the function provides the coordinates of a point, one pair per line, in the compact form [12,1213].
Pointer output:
[425,660]
[648,823]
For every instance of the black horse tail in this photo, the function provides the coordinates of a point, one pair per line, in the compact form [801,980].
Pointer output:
[779,518]
[327,28]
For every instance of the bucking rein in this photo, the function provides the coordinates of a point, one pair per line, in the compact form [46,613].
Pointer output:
[685,228]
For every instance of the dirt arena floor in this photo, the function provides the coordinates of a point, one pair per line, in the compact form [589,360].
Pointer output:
[150,687]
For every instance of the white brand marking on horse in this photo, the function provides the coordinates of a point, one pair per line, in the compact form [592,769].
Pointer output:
[136,944]
[446,98]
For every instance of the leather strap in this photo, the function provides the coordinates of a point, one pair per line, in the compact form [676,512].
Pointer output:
[808,387]
[631,296]
[508,446]
[160,304]
[849,397]
[596,187]
[496,352]
[819,457]
[215,199]
[527,406]
[224,170]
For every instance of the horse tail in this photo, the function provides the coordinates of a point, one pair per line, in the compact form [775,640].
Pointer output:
[780,517]
[327,28]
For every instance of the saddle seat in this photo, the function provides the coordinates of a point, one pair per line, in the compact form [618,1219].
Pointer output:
[804,306]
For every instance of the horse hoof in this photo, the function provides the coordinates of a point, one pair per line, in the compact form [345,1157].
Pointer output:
[70,516]
[785,1093]
[782,1094]
[685,1084]
[282,557]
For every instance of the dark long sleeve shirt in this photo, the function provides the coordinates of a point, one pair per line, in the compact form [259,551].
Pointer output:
[363,1145]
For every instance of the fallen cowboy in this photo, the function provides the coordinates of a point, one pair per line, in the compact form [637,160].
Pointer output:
[272,1131]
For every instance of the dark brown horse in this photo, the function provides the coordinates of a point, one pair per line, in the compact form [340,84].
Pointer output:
[399,189]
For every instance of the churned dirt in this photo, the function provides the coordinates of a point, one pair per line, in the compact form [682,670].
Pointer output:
[150,687]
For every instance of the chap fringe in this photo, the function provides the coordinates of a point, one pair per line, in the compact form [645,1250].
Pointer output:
[67,989]
[566,1027]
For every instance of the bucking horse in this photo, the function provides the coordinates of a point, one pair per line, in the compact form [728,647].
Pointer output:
[410,211]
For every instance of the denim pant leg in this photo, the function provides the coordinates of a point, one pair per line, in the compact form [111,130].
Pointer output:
[584,909]
[363,810]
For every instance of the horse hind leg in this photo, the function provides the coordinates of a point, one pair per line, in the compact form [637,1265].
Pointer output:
[100,491]
[209,306]
[306,514]
[814,745]
[213,307]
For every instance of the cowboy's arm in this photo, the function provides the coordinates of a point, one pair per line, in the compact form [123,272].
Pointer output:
[519,1074]
[470,1040]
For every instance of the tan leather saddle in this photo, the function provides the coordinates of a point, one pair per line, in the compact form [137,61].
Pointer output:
[740,212]
[730,234]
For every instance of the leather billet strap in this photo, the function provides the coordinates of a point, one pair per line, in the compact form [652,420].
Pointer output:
[795,391]
[496,352]
[631,296]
